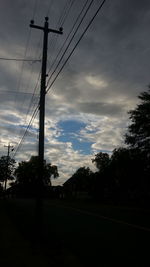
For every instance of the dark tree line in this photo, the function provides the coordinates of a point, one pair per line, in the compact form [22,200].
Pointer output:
[7,166]
[123,176]
[24,177]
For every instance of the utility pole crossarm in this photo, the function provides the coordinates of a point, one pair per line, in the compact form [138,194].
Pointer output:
[36,27]
[45,28]
[55,31]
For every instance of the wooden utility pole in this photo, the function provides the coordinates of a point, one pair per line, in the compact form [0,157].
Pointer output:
[46,30]
[39,186]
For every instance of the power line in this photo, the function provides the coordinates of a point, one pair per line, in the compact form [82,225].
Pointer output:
[21,74]
[31,101]
[68,36]
[64,13]
[36,110]
[34,8]
[32,98]
[14,92]
[49,8]
[22,67]
[30,122]
[46,30]
[23,60]
[88,8]
[101,5]
[20,59]
[27,81]
[19,81]
[61,21]
[67,12]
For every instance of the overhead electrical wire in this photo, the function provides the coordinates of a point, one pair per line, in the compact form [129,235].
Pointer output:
[62,18]
[19,81]
[32,98]
[35,88]
[72,28]
[21,74]
[34,9]
[20,59]
[49,8]
[28,83]
[60,23]
[83,17]
[24,59]
[49,87]
[85,30]
[36,109]
[31,120]
[65,12]
[14,92]
[31,101]
[22,101]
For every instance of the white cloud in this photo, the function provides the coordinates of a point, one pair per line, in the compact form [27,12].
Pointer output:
[96,81]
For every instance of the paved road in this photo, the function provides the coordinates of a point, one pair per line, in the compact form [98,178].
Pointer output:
[78,237]
[98,240]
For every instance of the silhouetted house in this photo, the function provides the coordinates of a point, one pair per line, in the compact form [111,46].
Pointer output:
[54,191]
[75,187]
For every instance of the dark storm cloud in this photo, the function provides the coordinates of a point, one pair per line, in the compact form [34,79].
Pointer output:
[126,17]
[117,45]
[101,108]
[114,46]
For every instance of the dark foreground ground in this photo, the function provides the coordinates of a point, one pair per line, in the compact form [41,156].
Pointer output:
[78,233]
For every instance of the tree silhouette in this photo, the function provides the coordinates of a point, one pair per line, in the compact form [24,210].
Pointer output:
[27,172]
[101,160]
[7,166]
[119,177]
[138,135]
[100,181]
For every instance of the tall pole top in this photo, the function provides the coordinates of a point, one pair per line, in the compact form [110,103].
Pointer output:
[45,28]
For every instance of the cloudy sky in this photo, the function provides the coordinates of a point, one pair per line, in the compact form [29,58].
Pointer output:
[86,108]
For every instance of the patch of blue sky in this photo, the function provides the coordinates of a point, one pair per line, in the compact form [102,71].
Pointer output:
[83,147]
[71,126]
[71,133]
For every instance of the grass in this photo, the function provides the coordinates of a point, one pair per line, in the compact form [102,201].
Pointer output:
[73,238]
